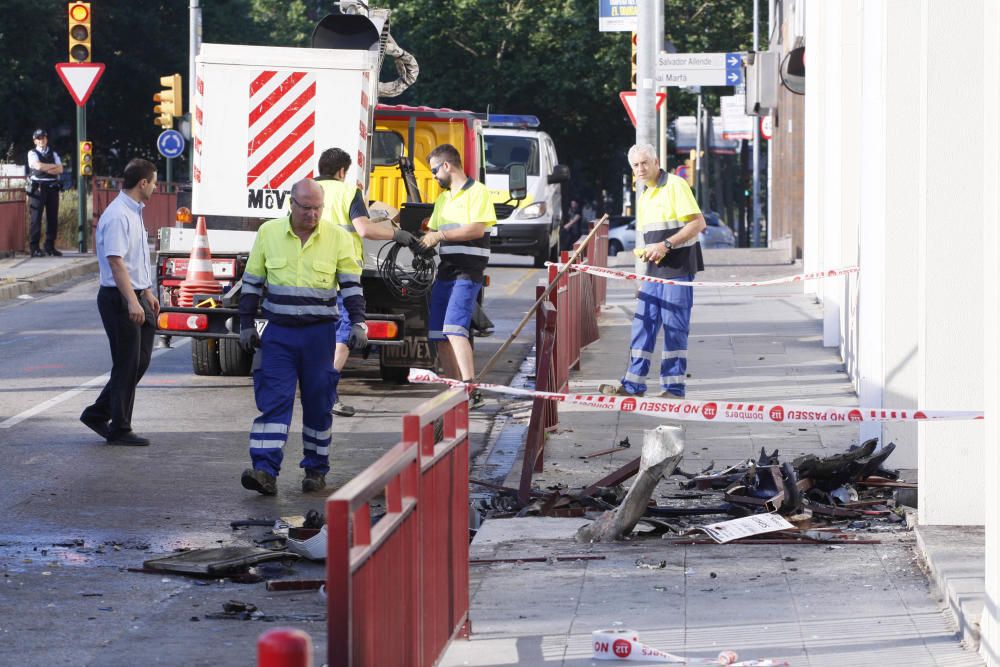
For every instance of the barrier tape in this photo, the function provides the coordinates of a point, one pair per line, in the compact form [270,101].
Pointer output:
[613,274]
[730,412]
[621,645]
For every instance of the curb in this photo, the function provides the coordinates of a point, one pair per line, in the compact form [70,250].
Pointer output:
[961,591]
[47,279]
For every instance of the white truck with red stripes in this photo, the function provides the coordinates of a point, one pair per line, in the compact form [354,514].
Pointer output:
[261,118]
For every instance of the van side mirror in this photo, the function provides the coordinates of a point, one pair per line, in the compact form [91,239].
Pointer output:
[517,181]
[560,174]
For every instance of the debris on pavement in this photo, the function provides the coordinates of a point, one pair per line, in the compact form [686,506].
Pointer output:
[734,529]
[215,562]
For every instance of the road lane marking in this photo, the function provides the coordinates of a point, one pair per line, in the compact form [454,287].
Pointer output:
[70,393]
[512,290]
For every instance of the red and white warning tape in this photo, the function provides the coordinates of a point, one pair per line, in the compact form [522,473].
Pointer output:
[605,272]
[620,645]
[715,411]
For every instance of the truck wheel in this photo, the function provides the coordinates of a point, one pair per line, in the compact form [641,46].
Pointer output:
[393,373]
[233,359]
[205,356]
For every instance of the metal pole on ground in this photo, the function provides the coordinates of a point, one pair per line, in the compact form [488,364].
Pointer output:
[531,311]
[81,183]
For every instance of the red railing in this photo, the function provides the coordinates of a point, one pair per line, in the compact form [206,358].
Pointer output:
[160,211]
[398,591]
[13,214]
[564,325]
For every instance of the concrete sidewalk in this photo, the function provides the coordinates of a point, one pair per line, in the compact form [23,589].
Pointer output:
[23,274]
[807,604]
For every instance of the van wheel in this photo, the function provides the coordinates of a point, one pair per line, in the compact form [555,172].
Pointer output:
[233,359]
[205,356]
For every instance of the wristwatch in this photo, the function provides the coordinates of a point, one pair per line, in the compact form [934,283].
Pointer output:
[668,245]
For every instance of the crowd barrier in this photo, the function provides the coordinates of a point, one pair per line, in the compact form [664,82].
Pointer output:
[13,214]
[398,590]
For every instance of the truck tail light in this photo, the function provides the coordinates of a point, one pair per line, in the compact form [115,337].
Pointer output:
[486,281]
[182,322]
[382,330]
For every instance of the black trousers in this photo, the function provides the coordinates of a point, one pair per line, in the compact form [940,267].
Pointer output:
[47,197]
[131,349]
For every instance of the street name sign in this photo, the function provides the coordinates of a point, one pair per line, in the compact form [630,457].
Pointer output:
[699,69]
[80,79]
[170,143]
[629,100]
[617,15]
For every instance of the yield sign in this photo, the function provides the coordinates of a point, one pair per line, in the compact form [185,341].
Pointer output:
[628,99]
[80,79]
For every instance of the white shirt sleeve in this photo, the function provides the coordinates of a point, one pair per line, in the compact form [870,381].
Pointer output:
[32,160]
[56,158]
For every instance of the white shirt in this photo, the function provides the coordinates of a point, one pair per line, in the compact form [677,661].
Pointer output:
[121,233]
[34,162]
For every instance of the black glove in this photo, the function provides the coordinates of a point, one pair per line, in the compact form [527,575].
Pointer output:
[403,237]
[249,339]
[359,336]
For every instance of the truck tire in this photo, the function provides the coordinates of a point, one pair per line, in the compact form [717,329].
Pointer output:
[233,359]
[393,373]
[205,356]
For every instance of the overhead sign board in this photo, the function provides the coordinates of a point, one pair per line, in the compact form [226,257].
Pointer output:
[80,79]
[618,15]
[736,124]
[699,69]
[628,98]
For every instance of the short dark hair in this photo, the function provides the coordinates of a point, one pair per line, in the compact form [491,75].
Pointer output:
[447,153]
[136,170]
[333,160]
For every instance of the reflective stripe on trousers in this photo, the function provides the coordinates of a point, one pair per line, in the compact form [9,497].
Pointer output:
[667,307]
[290,356]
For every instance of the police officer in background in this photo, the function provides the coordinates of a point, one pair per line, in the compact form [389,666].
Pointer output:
[44,168]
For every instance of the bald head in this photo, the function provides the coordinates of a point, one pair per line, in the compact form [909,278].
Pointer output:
[307,205]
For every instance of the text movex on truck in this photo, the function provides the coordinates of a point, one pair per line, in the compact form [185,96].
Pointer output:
[530,227]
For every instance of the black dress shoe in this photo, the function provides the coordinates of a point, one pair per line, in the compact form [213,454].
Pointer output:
[97,426]
[52,252]
[37,253]
[129,439]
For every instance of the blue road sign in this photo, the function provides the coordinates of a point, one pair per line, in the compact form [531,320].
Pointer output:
[170,143]
[734,69]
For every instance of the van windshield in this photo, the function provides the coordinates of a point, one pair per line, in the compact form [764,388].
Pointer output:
[504,150]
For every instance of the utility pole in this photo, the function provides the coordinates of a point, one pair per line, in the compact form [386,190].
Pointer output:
[194,46]
[648,45]
[662,112]
[770,146]
[755,201]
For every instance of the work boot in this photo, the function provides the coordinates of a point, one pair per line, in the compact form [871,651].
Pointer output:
[259,481]
[314,481]
[35,252]
[476,399]
[52,252]
[342,410]
[616,390]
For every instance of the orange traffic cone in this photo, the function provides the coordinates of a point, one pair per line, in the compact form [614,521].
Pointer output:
[200,278]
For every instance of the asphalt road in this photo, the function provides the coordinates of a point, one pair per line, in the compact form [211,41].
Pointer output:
[76,513]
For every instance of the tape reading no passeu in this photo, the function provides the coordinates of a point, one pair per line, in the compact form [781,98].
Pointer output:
[624,645]
[614,274]
[715,411]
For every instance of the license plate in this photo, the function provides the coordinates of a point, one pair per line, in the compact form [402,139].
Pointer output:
[415,351]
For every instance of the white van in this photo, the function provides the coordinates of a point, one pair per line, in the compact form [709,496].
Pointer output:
[529,227]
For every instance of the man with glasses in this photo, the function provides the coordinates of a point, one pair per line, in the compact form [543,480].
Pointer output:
[298,265]
[458,227]
[344,207]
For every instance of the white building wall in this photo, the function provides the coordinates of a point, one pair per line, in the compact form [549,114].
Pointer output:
[814,146]
[852,164]
[831,193]
[950,232]
[989,645]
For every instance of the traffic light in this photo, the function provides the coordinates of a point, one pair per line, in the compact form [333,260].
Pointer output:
[635,61]
[79,32]
[168,101]
[86,158]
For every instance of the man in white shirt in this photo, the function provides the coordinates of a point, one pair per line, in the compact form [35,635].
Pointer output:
[44,168]
[127,304]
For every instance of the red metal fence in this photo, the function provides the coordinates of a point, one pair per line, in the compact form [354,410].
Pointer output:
[160,210]
[13,214]
[563,327]
[398,591]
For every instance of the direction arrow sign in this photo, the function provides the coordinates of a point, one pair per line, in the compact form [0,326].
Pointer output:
[170,143]
[628,99]
[699,69]
[80,79]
